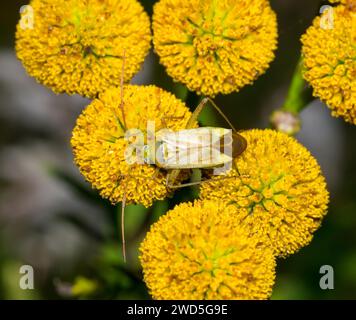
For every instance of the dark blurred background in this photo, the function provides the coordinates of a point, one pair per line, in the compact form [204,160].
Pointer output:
[51,219]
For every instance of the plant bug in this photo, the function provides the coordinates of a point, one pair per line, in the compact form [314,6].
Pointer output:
[187,149]
[190,148]
[197,148]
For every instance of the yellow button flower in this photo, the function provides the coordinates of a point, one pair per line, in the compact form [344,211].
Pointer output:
[77,46]
[215,46]
[280,192]
[329,54]
[200,251]
[99,144]
[350,3]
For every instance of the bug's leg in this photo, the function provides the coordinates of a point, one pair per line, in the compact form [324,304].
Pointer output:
[183,185]
[194,117]
[199,109]
[222,114]
[155,174]
[234,166]
[123,205]
[121,106]
[172,177]
[163,119]
[122,88]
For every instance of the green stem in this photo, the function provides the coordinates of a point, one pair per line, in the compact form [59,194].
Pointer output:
[295,101]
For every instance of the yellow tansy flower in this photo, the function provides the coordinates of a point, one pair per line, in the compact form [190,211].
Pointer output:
[215,46]
[329,56]
[77,46]
[99,144]
[350,3]
[199,251]
[281,192]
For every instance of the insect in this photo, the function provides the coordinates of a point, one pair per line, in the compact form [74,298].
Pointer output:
[188,149]
[197,148]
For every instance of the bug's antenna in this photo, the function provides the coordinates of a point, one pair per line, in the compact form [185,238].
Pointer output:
[123,204]
[234,165]
[122,87]
[197,111]
[222,114]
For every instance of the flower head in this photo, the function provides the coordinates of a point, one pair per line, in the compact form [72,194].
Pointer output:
[349,3]
[330,61]
[99,144]
[77,46]
[215,46]
[199,251]
[280,191]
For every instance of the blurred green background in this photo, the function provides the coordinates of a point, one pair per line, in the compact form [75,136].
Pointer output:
[51,219]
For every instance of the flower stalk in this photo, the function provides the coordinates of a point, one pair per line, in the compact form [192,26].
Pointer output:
[287,119]
[295,101]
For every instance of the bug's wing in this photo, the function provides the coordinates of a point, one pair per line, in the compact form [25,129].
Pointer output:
[192,148]
[195,149]
[193,138]
[205,157]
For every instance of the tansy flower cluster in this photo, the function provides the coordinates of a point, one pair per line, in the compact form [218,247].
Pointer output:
[329,56]
[214,46]
[201,251]
[224,245]
[99,144]
[78,46]
[278,188]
